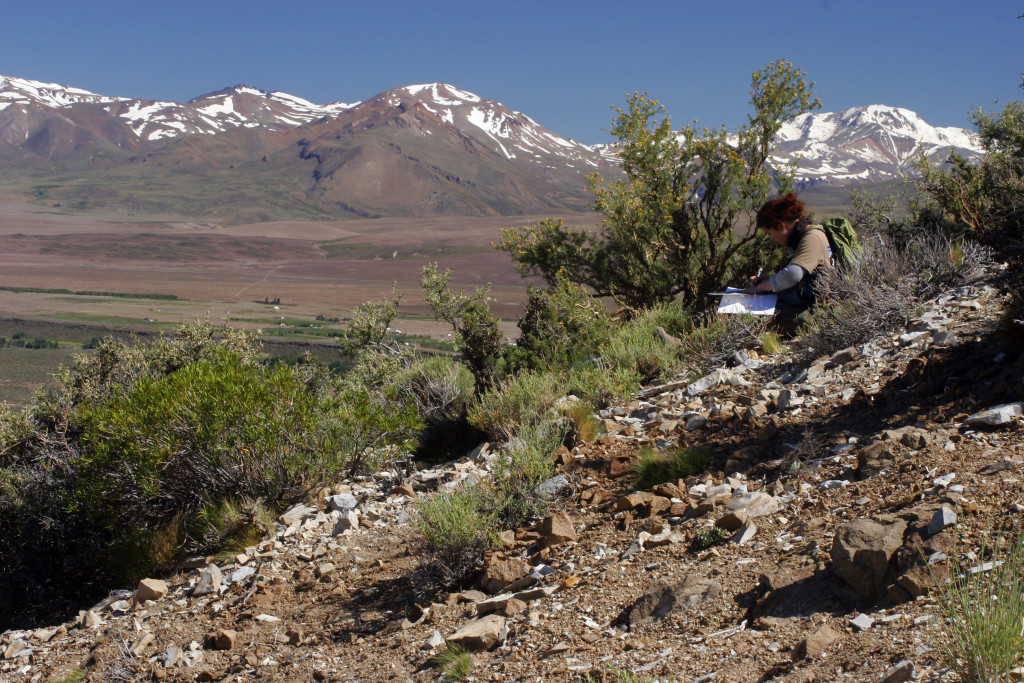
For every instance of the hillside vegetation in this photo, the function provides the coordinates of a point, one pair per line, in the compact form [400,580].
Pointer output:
[144,454]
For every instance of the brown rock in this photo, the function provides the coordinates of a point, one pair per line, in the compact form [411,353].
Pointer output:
[665,599]
[658,504]
[814,644]
[633,501]
[557,529]
[515,606]
[504,573]
[861,554]
[150,589]
[224,639]
[668,490]
[621,466]
[481,634]
[732,521]
[405,490]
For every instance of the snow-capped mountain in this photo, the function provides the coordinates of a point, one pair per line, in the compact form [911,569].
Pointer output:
[865,144]
[429,149]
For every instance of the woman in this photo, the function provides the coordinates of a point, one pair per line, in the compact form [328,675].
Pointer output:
[785,221]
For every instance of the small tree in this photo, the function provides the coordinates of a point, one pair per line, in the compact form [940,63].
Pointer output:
[677,222]
[470,318]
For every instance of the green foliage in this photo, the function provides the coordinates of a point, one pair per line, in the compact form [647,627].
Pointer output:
[457,528]
[561,327]
[441,388]
[454,661]
[518,404]
[983,612]
[979,198]
[671,225]
[470,317]
[232,525]
[140,451]
[655,467]
[771,343]
[637,348]
[706,538]
[523,464]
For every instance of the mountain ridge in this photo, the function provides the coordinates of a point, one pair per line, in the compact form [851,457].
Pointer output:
[416,150]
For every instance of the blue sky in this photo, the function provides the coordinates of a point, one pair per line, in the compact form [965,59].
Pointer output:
[565,64]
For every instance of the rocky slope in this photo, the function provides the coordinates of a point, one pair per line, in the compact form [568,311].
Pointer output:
[834,479]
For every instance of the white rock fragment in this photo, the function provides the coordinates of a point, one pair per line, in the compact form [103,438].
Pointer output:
[997,415]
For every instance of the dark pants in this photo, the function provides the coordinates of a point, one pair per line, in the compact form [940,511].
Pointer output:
[791,312]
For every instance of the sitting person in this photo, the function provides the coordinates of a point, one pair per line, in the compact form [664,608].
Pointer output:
[785,221]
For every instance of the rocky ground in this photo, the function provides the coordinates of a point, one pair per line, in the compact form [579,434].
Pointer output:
[835,482]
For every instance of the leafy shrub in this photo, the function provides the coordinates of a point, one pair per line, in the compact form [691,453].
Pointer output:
[105,473]
[560,327]
[441,388]
[457,528]
[470,317]
[982,616]
[705,538]
[637,348]
[655,467]
[598,383]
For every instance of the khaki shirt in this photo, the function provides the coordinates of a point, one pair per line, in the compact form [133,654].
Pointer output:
[812,251]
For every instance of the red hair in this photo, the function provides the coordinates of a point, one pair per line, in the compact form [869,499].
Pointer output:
[781,210]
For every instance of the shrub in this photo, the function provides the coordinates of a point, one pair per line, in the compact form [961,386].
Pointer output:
[523,464]
[710,344]
[637,348]
[982,616]
[457,528]
[598,383]
[705,538]
[516,405]
[441,388]
[105,473]
[655,467]
[561,327]
[873,296]
[470,317]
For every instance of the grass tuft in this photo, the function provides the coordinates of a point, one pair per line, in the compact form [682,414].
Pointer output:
[983,613]
[454,662]
[655,467]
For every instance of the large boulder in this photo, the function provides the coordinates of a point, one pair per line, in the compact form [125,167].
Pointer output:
[862,551]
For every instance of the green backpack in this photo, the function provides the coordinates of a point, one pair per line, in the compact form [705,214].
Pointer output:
[842,238]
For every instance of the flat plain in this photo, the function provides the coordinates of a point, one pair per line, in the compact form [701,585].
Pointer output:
[84,276]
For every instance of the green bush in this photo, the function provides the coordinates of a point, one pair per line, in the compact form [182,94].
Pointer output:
[454,661]
[518,404]
[523,464]
[655,467]
[104,475]
[705,538]
[476,330]
[636,347]
[560,328]
[457,527]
